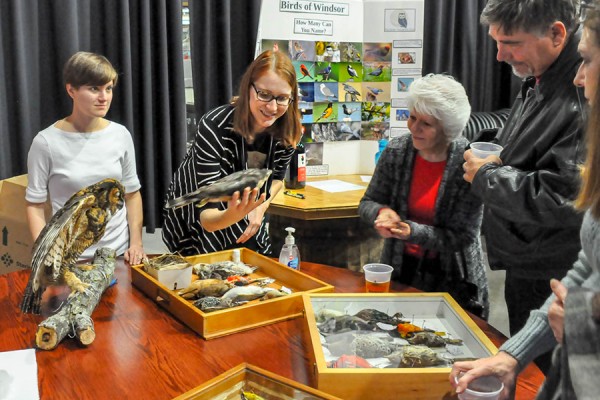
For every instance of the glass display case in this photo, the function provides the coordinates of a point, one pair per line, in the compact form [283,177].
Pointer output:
[403,343]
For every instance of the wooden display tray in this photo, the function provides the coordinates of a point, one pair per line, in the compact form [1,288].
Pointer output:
[409,383]
[255,380]
[248,316]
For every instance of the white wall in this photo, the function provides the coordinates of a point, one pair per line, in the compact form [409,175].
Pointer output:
[352,157]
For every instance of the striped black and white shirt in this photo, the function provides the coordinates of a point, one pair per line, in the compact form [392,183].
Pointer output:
[218,151]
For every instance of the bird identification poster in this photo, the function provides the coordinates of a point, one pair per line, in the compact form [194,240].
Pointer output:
[354,61]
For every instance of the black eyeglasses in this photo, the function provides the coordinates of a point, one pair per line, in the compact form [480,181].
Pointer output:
[587,5]
[268,97]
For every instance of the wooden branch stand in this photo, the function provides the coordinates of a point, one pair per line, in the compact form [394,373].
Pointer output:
[74,316]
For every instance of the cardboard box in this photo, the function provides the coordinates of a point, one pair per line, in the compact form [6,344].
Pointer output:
[248,316]
[437,311]
[248,378]
[172,278]
[15,243]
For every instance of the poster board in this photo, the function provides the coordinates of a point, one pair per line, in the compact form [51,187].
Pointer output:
[354,60]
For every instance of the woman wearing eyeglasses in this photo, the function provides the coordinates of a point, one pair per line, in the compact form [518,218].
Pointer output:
[258,129]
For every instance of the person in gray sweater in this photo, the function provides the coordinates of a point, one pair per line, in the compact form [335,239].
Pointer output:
[569,320]
[418,201]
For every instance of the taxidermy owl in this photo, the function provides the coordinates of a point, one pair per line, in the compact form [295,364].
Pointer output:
[79,224]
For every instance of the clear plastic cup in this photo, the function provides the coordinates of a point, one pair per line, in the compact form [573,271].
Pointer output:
[377,277]
[485,387]
[485,149]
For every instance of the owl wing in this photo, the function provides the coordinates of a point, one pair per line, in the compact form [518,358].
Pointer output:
[57,246]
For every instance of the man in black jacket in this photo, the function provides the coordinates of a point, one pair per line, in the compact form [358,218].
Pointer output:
[530,227]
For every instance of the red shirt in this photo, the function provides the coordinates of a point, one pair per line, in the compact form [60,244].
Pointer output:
[424,187]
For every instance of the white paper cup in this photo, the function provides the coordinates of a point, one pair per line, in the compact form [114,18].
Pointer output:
[377,277]
[486,387]
[485,149]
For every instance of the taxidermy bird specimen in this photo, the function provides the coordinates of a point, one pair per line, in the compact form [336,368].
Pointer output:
[223,189]
[79,224]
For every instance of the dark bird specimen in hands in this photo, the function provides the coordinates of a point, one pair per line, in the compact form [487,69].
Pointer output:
[79,224]
[223,189]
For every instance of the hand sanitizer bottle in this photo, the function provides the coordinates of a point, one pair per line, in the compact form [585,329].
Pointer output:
[290,255]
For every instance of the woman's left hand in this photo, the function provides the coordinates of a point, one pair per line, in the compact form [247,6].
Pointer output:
[402,231]
[255,218]
[556,311]
[135,254]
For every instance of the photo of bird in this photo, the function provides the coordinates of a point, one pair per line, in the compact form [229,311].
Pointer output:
[346,132]
[325,72]
[326,91]
[319,48]
[326,112]
[79,224]
[305,72]
[351,72]
[350,52]
[377,52]
[377,71]
[402,86]
[306,91]
[375,112]
[298,52]
[402,21]
[351,92]
[348,110]
[373,93]
[306,112]
[329,53]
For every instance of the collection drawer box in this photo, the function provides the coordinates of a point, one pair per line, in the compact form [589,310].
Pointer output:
[250,379]
[437,311]
[256,313]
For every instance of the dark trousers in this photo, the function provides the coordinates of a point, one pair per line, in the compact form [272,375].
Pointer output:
[522,296]
[422,273]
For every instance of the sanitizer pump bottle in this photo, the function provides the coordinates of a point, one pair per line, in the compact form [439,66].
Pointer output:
[290,255]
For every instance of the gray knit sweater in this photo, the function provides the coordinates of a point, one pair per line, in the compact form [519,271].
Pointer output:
[536,337]
[455,232]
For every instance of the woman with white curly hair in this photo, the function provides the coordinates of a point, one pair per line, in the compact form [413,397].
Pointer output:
[418,201]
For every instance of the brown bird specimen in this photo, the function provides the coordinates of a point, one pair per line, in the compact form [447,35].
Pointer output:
[79,224]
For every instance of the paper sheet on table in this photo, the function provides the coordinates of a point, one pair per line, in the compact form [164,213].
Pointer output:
[334,186]
[18,375]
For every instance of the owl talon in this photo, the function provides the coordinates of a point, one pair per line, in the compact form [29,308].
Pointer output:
[86,267]
[82,287]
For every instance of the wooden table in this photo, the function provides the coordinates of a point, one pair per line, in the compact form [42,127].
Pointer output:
[319,204]
[141,352]
[328,229]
